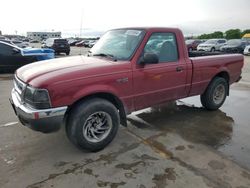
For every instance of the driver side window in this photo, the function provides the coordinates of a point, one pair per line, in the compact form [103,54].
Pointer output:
[6,50]
[164,46]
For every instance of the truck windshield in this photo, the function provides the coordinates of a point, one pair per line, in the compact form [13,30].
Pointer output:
[119,44]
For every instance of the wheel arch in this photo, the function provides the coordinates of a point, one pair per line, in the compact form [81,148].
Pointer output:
[103,95]
[223,74]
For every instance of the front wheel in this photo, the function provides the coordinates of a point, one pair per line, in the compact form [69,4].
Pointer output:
[93,124]
[212,49]
[215,94]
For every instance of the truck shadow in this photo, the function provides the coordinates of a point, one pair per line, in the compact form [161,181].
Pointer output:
[213,128]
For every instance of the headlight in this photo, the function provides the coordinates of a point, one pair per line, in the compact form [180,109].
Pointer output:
[37,98]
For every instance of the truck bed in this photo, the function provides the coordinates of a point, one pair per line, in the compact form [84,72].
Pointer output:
[206,67]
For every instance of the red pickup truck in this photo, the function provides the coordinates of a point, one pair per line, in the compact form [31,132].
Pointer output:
[127,70]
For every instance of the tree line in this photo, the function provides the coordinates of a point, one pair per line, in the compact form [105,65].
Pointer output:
[229,34]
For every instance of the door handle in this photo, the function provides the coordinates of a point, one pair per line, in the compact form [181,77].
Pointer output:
[179,69]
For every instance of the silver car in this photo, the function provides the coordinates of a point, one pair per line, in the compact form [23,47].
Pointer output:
[247,50]
[211,45]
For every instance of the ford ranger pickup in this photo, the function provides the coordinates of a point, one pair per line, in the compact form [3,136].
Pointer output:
[128,69]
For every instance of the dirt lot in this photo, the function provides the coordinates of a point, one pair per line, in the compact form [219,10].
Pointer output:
[174,145]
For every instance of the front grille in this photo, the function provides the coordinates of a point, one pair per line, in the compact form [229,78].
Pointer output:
[19,87]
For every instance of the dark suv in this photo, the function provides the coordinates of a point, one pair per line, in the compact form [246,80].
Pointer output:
[58,44]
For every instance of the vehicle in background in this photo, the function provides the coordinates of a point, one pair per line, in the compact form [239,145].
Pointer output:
[2,38]
[58,44]
[192,44]
[91,95]
[7,41]
[92,43]
[247,50]
[20,44]
[73,42]
[83,43]
[211,45]
[246,37]
[12,57]
[34,41]
[234,46]
[25,40]
[43,41]
[80,43]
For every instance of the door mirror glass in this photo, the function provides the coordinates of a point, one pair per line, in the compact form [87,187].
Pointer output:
[15,51]
[149,58]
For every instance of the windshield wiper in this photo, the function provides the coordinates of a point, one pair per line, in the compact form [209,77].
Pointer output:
[106,55]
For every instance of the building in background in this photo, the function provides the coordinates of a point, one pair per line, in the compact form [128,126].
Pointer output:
[43,35]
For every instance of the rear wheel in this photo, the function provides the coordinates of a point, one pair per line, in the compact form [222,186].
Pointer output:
[215,94]
[67,53]
[212,49]
[93,124]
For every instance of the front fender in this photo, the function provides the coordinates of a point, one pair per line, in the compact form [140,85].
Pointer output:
[93,89]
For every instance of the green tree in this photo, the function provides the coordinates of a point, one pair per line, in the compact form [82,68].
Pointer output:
[233,34]
[216,34]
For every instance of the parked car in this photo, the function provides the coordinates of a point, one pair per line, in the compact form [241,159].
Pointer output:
[192,44]
[91,43]
[58,44]
[7,41]
[211,45]
[73,43]
[83,43]
[247,50]
[2,38]
[234,46]
[20,44]
[246,37]
[12,57]
[25,40]
[34,41]
[92,95]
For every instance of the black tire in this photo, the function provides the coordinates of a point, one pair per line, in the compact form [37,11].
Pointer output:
[80,115]
[67,53]
[213,49]
[208,98]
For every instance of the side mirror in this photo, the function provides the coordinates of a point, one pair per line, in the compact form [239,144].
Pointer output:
[149,58]
[15,51]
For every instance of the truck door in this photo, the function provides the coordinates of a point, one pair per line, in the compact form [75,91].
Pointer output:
[166,80]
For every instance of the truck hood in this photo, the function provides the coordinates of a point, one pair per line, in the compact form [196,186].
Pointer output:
[48,69]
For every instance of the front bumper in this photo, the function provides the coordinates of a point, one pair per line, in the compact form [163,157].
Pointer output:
[206,49]
[247,51]
[45,120]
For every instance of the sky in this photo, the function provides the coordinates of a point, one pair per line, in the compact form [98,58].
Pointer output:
[81,17]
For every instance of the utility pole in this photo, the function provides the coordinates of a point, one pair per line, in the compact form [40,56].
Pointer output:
[80,34]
